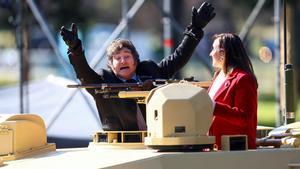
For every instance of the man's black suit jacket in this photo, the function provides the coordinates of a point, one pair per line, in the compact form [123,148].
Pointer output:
[120,114]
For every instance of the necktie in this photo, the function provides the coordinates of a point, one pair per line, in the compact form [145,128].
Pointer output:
[139,117]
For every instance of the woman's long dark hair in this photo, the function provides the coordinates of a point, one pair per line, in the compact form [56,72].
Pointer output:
[235,53]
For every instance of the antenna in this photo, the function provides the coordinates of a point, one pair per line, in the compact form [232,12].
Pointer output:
[284,32]
[289,78]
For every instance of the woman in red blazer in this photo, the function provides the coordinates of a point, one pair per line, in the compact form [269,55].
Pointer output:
[234,90]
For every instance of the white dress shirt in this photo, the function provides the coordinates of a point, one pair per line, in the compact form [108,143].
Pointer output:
[220,79]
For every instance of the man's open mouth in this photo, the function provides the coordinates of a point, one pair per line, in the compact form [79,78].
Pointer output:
[125,67]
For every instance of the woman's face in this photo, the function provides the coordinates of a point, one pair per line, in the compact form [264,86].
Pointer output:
[217,54]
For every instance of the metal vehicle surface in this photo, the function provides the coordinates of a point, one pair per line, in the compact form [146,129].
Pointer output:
[126,149]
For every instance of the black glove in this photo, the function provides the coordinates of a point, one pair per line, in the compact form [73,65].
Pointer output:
[203,15]
[70,37]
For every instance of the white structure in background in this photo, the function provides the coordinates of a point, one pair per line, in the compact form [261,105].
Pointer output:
[76,121]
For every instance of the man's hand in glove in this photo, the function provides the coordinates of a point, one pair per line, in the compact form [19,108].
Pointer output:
[203,15]
[70,36]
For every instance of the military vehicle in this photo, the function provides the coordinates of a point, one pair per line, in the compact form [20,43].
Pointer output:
[178,118]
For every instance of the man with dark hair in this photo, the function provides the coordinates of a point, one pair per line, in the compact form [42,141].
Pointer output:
[125,66]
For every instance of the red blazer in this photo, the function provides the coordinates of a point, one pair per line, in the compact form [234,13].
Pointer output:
[236,108]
